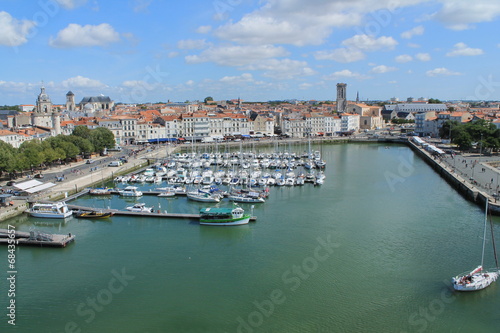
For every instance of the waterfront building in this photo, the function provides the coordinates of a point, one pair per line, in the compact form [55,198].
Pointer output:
[349,122]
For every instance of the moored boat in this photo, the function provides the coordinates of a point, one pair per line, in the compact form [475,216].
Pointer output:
[56,210]
[223,216]
[93,214]
[139,207]
[130,191]
[100,191]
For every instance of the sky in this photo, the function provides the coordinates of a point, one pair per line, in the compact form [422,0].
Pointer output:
[138,51]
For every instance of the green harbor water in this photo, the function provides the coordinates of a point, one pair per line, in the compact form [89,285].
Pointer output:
[371,250]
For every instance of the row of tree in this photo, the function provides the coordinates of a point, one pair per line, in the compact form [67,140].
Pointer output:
[35,153]
[479,133]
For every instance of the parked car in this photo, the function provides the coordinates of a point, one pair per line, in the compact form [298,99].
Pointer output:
[39,175]
[90,161]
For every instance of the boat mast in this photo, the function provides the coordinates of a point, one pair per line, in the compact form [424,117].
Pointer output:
[484,233]
[493,242]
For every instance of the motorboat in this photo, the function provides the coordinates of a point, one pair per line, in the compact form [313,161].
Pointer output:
[130,191]
[139,207]
[56,210]
[94,214]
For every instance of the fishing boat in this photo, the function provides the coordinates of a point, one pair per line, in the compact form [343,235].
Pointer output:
[56,210]
[223,216]
[478,278]
[130,191]
[92,214]
[139,207]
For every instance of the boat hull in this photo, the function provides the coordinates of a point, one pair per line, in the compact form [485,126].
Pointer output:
[225,222]
[478,281]
[51,215]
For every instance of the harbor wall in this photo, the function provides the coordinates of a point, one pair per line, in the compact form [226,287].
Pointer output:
[463,186]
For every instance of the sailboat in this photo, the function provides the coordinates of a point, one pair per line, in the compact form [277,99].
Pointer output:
[478,278]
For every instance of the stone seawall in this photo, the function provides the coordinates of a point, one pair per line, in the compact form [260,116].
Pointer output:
[463,186]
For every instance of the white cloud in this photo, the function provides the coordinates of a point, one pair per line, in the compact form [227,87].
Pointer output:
[75,35]
[404,58]
[282,68]
[305,22]
[369,43]
[413,45]
[354,47]
[461,14]
[382,69]
[14,32]
[204,29]
[343,55]
[245,77]
[441,72]
[345,73]
[192,44]
[460,49]
[305,86]
[423,56]
[71,4]
[82,82]
[417,31]
[141,5]
[236,55]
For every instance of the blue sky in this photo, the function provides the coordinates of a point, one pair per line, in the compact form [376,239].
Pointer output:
[151,50]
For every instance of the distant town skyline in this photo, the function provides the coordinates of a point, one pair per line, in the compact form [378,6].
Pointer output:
[149,51]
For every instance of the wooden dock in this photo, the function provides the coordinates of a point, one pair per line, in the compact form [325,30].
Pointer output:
[145,214]
[36,238]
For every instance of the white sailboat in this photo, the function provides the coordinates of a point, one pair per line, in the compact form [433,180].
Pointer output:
[478,278]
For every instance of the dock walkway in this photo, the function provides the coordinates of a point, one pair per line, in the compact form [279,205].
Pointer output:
[36,238]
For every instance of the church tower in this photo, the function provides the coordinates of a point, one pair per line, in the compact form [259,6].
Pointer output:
[341,97]
[43,102]
[70,101]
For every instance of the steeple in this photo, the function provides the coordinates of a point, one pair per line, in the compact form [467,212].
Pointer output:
[357,97]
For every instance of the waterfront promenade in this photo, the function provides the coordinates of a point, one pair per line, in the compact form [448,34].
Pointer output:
[79,175]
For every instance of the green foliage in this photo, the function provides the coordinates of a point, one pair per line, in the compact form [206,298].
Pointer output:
[434,101]
[480,133]
[208,99]
[8,107]
[102,138]
[82,131]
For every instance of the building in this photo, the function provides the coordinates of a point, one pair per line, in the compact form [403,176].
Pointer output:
[96,103]
[70,101]
[341,97]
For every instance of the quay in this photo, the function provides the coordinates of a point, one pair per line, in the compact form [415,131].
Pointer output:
[35,238]
[144,214]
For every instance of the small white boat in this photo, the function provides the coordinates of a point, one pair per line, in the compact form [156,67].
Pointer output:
[130,191]
[478,278]
[140,207]
[167,194]
[203,196]
[56,210]
[246,198]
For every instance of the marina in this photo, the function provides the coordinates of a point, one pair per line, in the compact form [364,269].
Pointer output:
[356,221]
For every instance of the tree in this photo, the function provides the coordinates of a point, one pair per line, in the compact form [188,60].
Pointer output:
[82,131]
[208,99]
[102,138]
[434,101]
